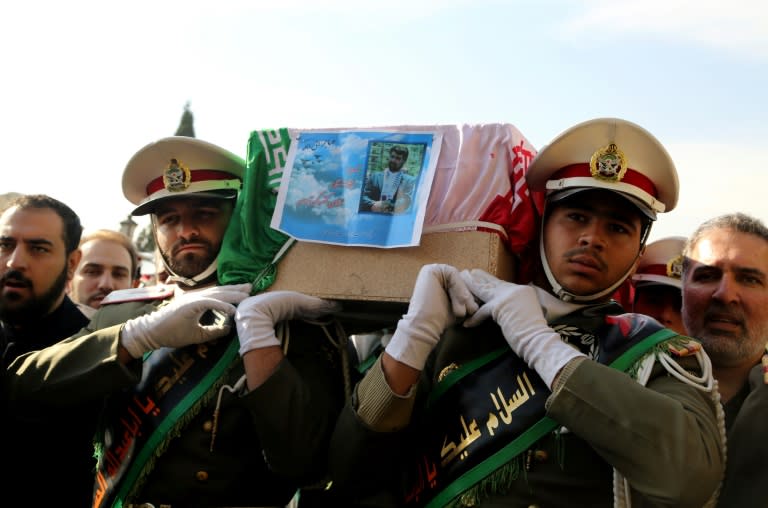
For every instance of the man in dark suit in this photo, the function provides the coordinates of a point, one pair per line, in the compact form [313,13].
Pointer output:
[39,238]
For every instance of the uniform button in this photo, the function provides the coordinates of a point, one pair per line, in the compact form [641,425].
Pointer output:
[208,426]
[201,476]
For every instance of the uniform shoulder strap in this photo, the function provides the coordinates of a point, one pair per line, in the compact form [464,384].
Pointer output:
[156,292]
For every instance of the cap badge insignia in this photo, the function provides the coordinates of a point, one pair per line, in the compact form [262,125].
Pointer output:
[608,163]
[675,267]
[176,176]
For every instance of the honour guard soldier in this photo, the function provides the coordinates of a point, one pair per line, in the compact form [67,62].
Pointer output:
[657,282]
[545,394]
[195,415]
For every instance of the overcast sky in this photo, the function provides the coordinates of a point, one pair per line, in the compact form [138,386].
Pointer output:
[86,84]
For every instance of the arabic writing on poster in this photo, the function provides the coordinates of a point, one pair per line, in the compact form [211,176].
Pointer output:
[357,187]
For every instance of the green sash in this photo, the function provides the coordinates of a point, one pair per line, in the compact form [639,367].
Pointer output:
[175,383]
[484,414]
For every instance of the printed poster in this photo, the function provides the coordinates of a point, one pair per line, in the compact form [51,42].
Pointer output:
[357,187]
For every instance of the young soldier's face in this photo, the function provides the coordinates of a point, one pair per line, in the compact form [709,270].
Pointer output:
[34,266]
[725,296]
[591,240]
[189,232]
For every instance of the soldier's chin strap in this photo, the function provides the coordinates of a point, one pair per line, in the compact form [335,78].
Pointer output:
[568,296]
[203,278]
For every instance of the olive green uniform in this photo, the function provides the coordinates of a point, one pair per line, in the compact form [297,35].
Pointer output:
[663,438]
[268,442]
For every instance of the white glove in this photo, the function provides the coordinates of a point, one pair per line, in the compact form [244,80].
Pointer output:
[257,315]
[517,311]
[439,298]
[179,323]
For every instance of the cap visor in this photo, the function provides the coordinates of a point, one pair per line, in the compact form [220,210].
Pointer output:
[639,204]
[149,206]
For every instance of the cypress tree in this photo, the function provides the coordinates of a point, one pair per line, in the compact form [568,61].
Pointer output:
[186,127]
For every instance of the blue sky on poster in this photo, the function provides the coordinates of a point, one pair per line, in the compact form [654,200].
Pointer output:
[87,83]
[320,198]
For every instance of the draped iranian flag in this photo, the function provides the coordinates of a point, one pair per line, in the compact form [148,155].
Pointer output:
[250,245]
[518,211]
